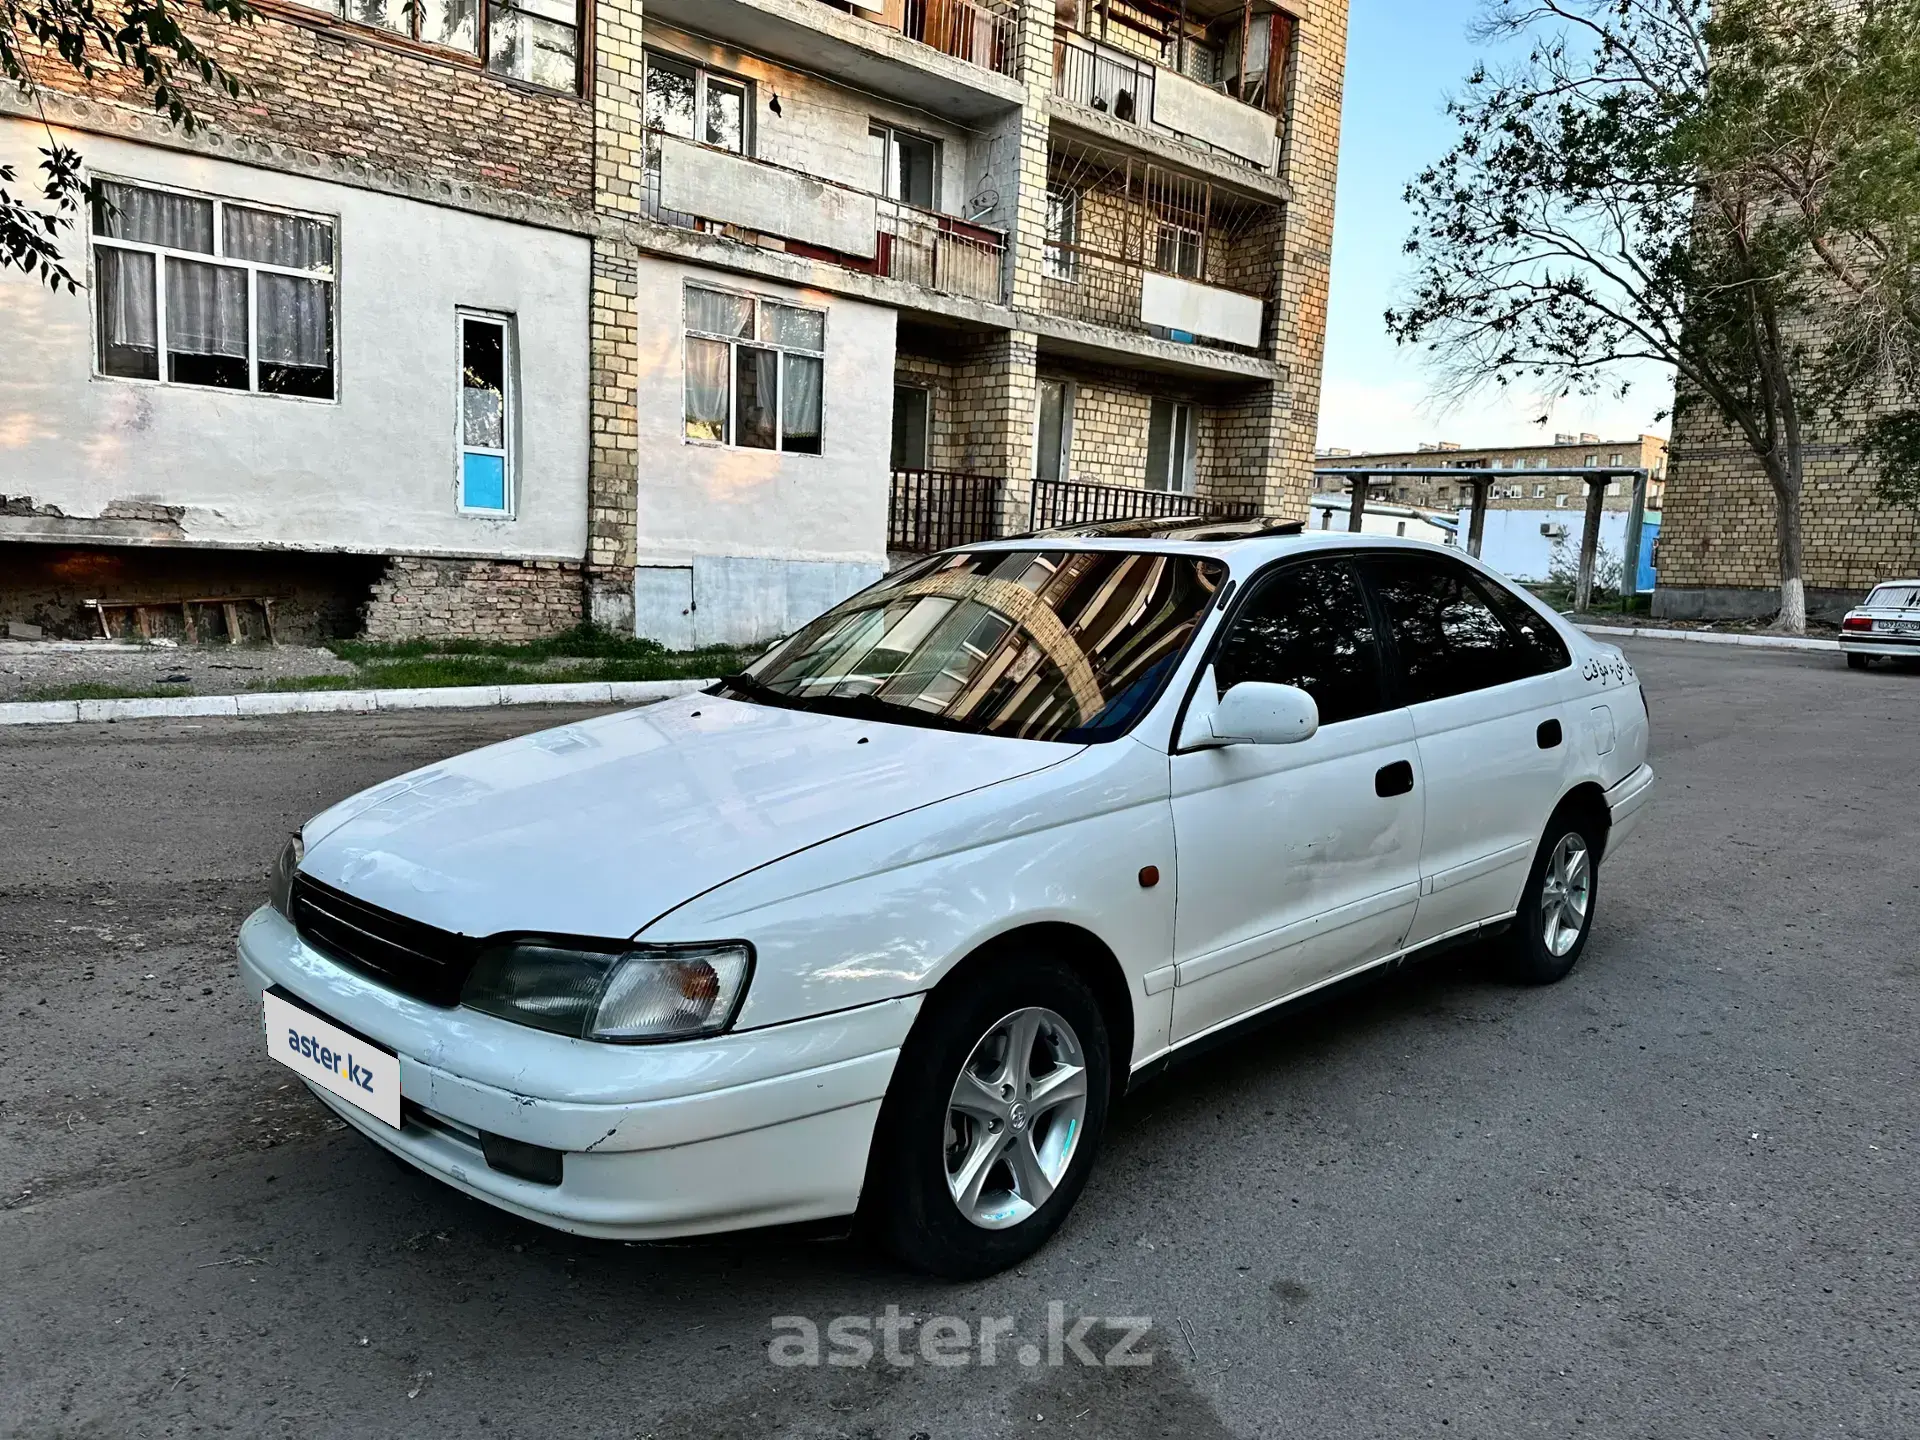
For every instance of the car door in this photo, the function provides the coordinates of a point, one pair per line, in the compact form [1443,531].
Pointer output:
[1483,676]
[1295,862]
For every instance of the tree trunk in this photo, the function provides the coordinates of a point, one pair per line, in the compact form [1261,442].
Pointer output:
[1793,589]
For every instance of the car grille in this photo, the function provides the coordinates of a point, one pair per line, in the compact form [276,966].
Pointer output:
[402,954]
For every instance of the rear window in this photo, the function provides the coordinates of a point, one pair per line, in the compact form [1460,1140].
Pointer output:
[1895,597]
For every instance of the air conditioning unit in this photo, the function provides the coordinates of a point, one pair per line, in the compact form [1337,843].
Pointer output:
[1553,532]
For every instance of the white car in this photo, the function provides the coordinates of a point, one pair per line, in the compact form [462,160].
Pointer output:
[885,925]
[1886,625]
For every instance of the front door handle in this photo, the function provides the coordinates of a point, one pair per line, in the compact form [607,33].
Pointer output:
[1394,779]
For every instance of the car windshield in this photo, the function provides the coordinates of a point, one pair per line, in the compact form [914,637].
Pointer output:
[1043,644]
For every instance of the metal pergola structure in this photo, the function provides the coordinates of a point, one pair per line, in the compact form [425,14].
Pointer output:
[1597,478]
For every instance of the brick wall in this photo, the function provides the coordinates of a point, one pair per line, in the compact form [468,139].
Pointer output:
[342,91]
[424,598]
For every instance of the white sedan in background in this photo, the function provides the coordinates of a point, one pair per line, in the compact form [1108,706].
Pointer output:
[884,926]
[1886,625]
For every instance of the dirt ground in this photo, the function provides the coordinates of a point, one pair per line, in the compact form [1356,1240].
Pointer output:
[28,666]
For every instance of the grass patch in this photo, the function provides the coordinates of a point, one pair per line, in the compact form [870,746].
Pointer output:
[94,690]
[280,684]
[584,642]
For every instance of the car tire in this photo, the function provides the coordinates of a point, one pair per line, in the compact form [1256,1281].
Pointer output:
[1555,917]
[957,1165]
[1858,662]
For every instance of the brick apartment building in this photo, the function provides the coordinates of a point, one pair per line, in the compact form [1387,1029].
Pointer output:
[1547,492]
[1720,550]
[678,315]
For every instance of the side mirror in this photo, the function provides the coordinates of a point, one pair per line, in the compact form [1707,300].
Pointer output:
[1251,713]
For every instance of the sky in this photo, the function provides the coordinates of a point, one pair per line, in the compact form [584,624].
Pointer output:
[1403,58]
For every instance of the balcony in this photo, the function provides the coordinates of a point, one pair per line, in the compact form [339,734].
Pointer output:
[698,187]
[955,58]
[929,510]
[1144,249]
[1216,84]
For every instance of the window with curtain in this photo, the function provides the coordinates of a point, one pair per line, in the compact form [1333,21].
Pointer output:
[486,414]
[754,372]
[535,41]
[197,290]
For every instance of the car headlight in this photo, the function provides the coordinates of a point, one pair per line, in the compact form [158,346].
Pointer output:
[625,994]
[280,886]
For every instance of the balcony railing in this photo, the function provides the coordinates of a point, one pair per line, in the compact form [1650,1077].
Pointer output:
[1103,77]
[929,510]
[987,35]
[1090,285]
[920,247]
[1058,504]
[1205,113]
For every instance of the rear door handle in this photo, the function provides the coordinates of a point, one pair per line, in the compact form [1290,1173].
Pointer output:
[1548,735]
[1394,779]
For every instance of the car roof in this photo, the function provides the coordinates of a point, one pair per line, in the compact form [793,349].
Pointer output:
[1244,544]
[1883,584]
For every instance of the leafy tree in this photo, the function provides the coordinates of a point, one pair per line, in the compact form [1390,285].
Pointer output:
[86,40]
[1727,187]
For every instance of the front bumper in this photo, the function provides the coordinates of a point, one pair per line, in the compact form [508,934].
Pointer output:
[758,1127]
[1627,806]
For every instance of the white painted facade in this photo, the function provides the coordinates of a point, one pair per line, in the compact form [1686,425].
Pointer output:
[372,471]
[739,545]
[1519,543]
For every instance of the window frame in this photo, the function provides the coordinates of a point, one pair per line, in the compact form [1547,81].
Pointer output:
[703,73]
[1068,398]
[217,257]
[1189,463]
[319,18]
[889,136]
[1060,252]
[925,392]
[509,452]
[754,342]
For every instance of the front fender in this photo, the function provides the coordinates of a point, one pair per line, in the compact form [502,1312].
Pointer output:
[888,910]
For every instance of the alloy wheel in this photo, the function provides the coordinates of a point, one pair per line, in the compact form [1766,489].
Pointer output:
[1566,892]
[1015,1118]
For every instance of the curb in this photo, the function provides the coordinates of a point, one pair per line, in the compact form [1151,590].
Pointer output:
[1709,637]
[314,702]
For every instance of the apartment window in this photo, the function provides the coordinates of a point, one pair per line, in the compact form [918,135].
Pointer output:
[1176,250]
[1539,492]
[195,290]
[1054,443]
[908,165]
[754,372]
[912,407]
[1559,502]
[537,41]
[1591,461]
[1616,459]
[1170,447]
[698,104]
[486,414]
[1060,259]
[1613,487]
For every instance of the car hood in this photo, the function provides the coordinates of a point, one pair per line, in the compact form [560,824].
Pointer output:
[599,828]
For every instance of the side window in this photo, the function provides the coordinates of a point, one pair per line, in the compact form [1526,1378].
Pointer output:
[1543,648]
[1308,626]
[1449,635]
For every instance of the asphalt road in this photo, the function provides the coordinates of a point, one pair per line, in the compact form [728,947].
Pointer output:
[1672,1197]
